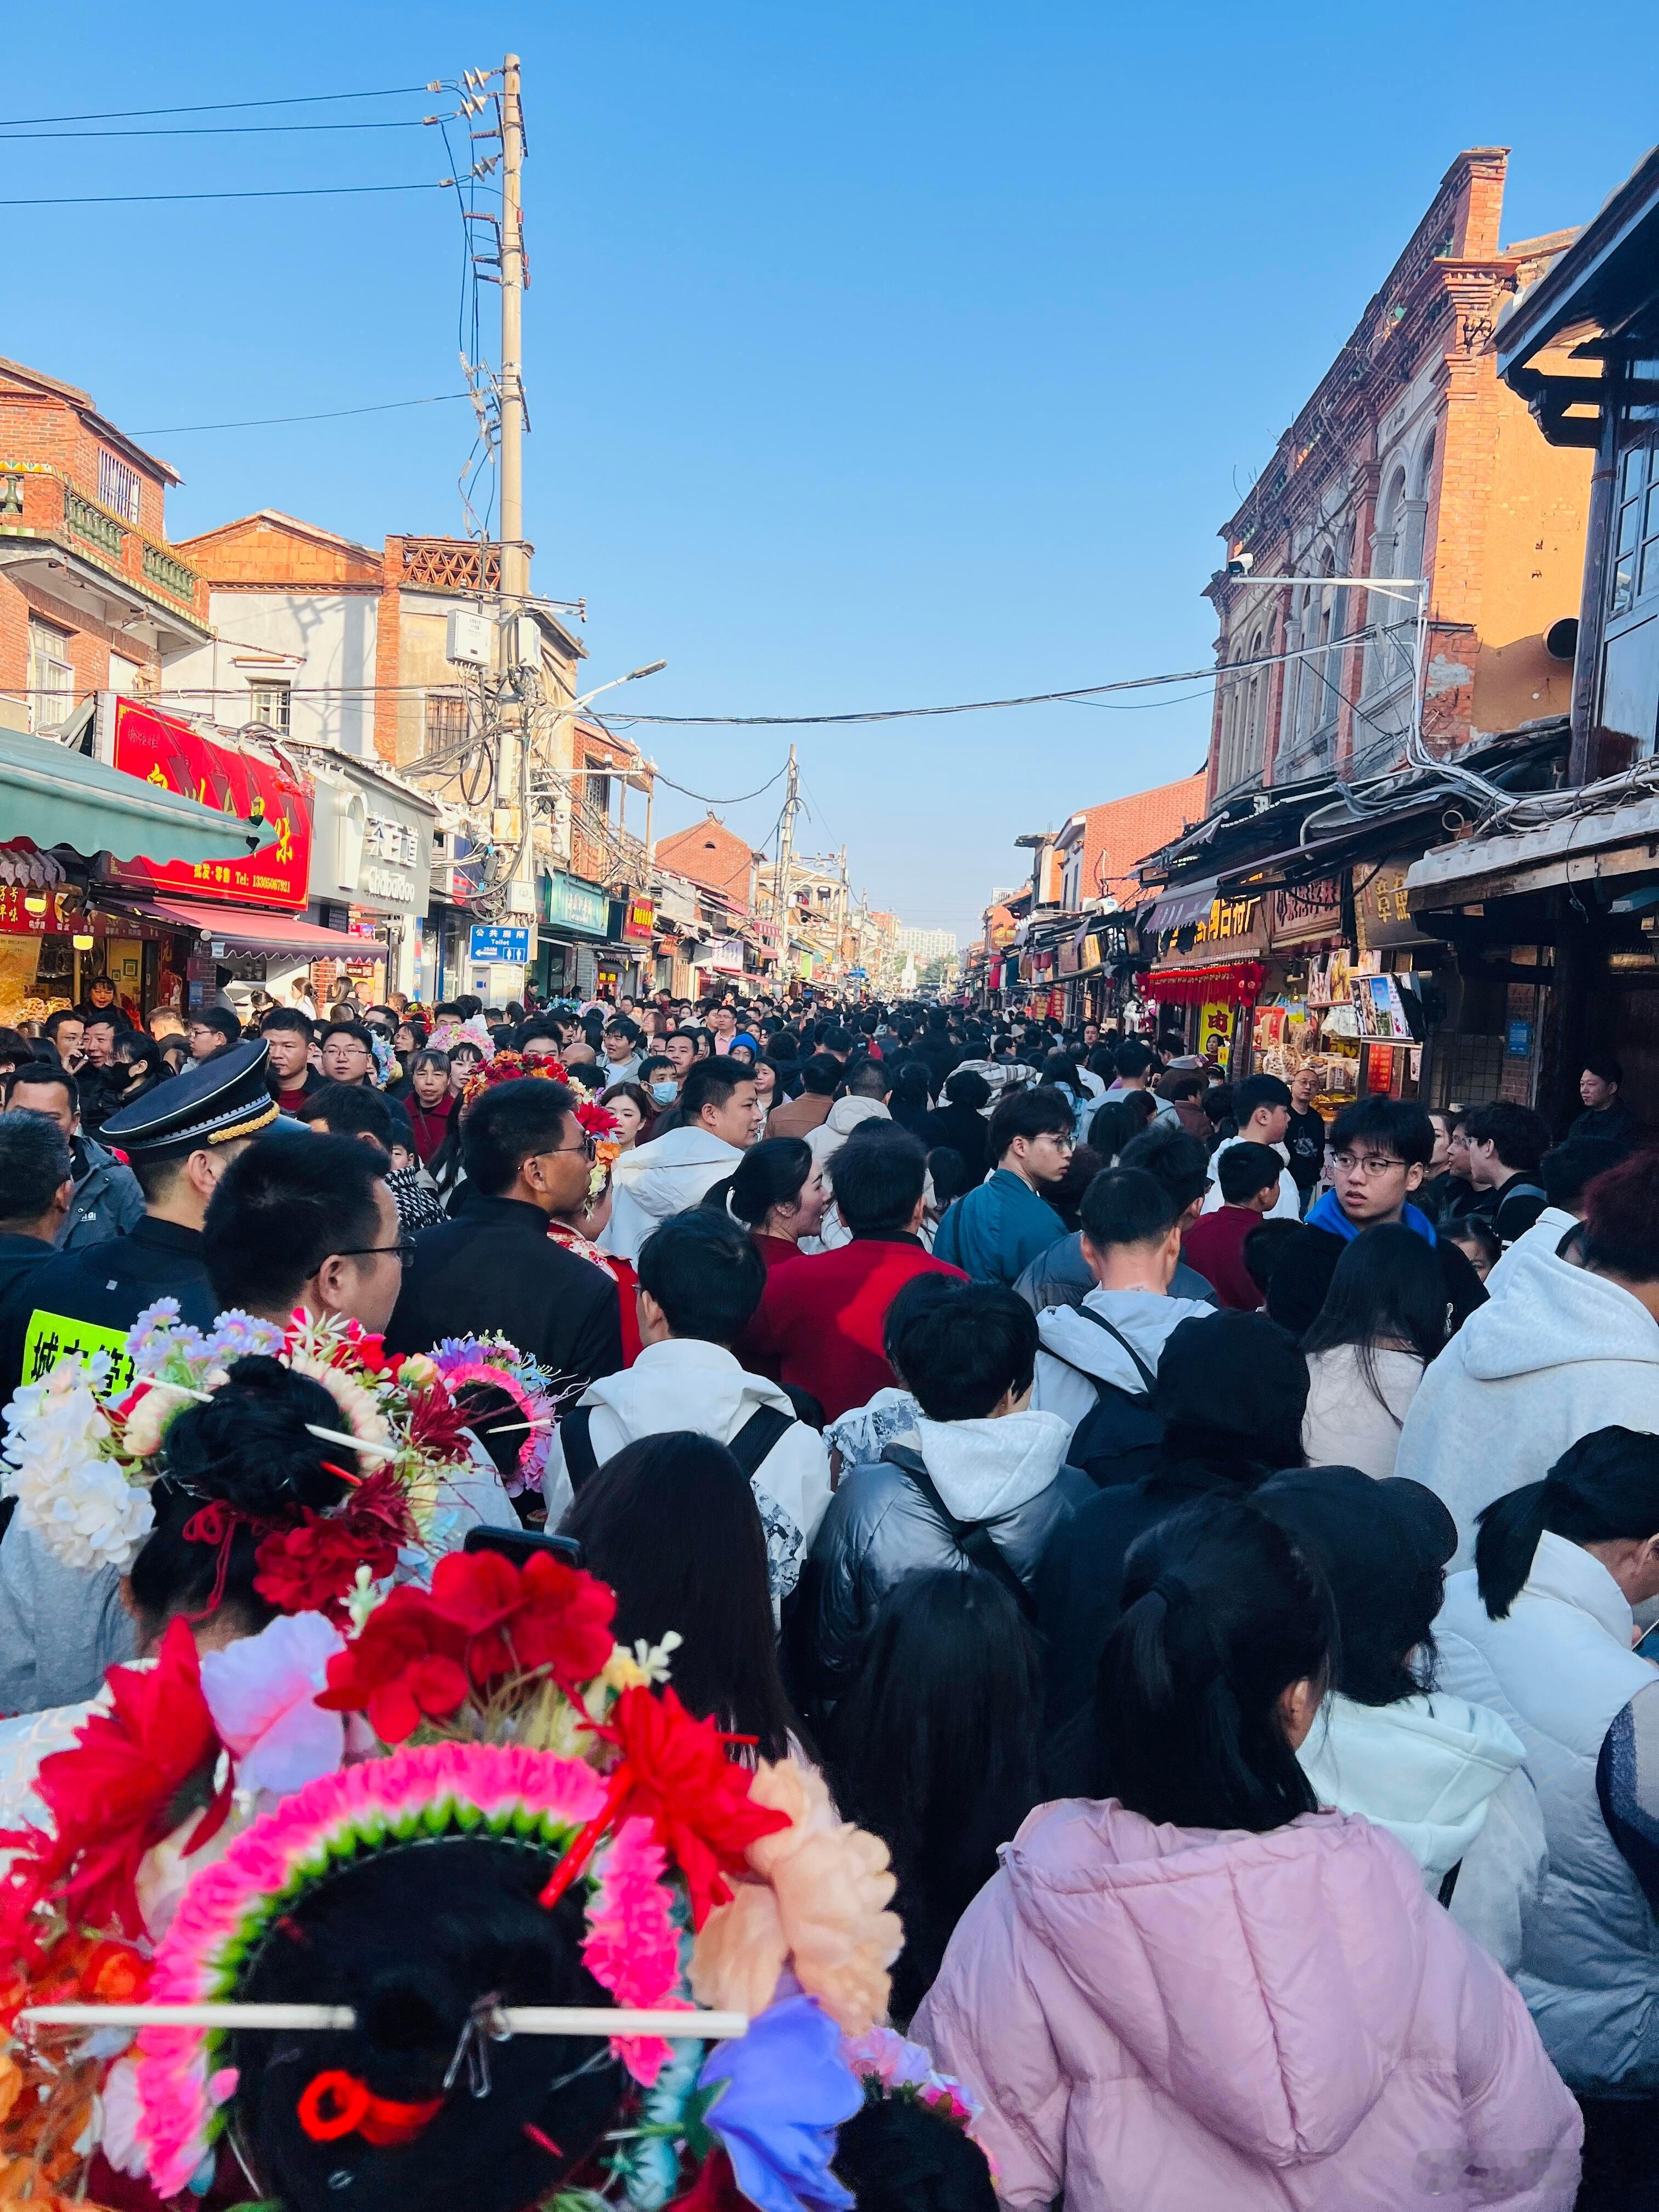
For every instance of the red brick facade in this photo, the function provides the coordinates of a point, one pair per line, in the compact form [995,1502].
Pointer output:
[711,854]
[1410,459]
[83,549]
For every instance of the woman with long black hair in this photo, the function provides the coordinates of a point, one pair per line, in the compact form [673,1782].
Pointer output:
[1384,1320]
[935,1749]
[1197,1989]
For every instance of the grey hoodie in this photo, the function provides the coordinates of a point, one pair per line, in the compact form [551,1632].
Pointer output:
[1075,1350]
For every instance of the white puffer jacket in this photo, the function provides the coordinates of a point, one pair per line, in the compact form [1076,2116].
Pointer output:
[1564,1668]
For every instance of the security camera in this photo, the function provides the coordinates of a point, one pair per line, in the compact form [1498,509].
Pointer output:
[1241,564]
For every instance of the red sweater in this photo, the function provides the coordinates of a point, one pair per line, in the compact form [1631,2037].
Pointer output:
[819,1324]
[1215,1246]
[430,1126]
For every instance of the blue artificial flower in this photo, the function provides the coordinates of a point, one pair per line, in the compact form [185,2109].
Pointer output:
[784,2088]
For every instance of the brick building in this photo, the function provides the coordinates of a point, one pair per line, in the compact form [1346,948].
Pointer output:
[93,597]
[1100,846]
[1410,459]
[714,856]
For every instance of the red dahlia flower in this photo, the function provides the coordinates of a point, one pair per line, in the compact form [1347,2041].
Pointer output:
[404,1667]
[516,1618]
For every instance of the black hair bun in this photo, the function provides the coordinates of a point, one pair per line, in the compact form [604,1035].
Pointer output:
[251,1444]
[896,2157]
[412,1938]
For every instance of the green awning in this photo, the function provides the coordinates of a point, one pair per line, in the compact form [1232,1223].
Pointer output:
[53,796]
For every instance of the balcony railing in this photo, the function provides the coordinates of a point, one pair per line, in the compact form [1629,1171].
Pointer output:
[37,502]
[448,564]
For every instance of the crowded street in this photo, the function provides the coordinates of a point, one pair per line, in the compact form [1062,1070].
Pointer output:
[879,1458]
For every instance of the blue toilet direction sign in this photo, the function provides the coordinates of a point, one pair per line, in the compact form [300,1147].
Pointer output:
[500,945]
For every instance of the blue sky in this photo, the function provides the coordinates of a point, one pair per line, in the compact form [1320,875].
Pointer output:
[878,355]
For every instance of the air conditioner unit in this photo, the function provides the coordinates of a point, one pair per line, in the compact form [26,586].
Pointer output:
[467,638]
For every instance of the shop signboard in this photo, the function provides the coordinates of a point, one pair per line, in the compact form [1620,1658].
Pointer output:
[1306,913]
[726,954]
[52,920]
[1215,1031]
[158,749]
[639,919]
[1381,917]
[371,843]
[568,904]
[499,945]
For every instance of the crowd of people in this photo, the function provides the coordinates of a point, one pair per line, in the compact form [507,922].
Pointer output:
[1200,1549]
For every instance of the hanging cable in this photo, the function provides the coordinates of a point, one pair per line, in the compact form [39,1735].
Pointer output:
[281,193]
[329,415]
[228,106]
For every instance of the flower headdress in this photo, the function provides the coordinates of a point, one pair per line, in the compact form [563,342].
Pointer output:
[469,1362]
[497,1707]
[84,1451]
[506,1067]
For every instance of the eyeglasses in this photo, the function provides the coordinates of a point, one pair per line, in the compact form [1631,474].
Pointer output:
[1365,1164]
[588,1144]
[404,1249]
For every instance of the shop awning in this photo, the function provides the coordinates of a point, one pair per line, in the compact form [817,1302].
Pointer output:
[1181,909]
[247,930]
[1579,849]
[52,796]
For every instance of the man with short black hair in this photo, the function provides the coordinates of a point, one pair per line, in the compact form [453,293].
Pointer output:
[494,1266]
[108,1201]
[823,1333]
[995,1232]
[701,1279]
[1251,1178]
[619,1048]
[1104,1351]
[37,1181]
[1566,1171]
[541,1038]
[1606,1115]
[1062,1277]
[346,1053]
[982,1485]
[1137,1065]
[62,1034]
[1506,1145]
[305,1223]
[1380,1152]
[868,1087]
[288,1034]
[1262,1107]
[720,1119]
[820,1079]
[213,1031]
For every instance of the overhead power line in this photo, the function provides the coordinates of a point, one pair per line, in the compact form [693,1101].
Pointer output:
[1227,671]
[218,130]
[225,106]
[328,415]
[702,797]
[283,192]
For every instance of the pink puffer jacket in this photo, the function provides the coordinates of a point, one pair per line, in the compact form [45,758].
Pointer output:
[1191,2019]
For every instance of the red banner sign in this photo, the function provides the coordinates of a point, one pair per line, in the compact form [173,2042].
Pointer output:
[158,750]
[52,920]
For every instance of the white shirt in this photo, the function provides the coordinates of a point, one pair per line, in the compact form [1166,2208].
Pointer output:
[1287,1203]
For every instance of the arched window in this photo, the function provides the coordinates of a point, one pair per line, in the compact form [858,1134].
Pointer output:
[1383,664]
[1334,626]
[1254,726]
[1415,530]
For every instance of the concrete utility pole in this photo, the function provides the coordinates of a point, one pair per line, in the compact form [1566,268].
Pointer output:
[515,559]
[786,854]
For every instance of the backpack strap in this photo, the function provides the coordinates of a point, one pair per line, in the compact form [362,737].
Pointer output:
[1100,1321]
[973,1538]
[1449,1884]
[766,1426]
[575,1435]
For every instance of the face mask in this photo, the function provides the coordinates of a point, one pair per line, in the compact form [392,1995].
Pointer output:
[664,1093]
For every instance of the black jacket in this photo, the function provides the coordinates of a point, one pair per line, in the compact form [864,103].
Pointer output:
[1080,1576]
[1619,1123]
[964,1129]
[934,1046]
[1513,1206]
[104,1287]
[494,1267]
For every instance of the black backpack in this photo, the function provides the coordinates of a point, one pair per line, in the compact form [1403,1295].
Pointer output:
[1120,1438]
[754,1440]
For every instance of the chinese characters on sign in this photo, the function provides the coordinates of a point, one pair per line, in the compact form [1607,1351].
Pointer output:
[158,749]
[52,1337]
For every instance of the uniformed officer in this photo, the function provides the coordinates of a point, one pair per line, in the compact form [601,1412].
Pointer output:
[179,1139]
